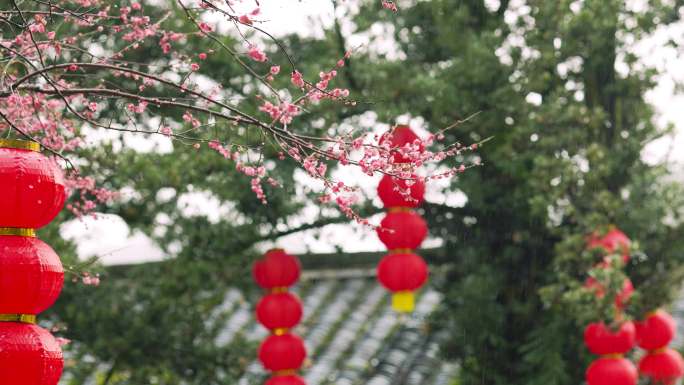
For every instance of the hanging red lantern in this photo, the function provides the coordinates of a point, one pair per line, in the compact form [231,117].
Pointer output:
[662,367]
[601,340]
[621,299]
[285,380]
[276,270]
[391,197]
[402,230]
[33,186]
[611,371]
[29,355]
[401,136]
[402,274]
[615,241]
[31,275]
[283,352]
[656,331]
[279,311]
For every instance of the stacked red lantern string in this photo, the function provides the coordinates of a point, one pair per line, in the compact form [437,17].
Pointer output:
[283,352]
[402,230]
[611,343]
[31,274]
[661,364]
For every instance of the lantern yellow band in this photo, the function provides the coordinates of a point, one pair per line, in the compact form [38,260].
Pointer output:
[25,318]
[288,372]
[279,331]
[613,356]
[17,231]
[658,351]
[403,301]
[279,289]
[399,209]
[20,144]
[400,251]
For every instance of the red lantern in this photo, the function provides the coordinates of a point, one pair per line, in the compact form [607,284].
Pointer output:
[402,274]
[615,241]
[401,136]
[402,230]
[31,275]
[611,371]
[621,298]
[601,340]
[656,331]
[625,294]
[29,355]
[279,311]
[32,186]
[663,367]
[387,191]
[276,270]
[284,352]
[285,380]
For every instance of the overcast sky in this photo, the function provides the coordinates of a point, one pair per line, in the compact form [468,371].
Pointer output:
[109,238]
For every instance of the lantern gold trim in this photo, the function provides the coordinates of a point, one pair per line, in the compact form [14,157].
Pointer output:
[399,209]
[17,231]
[24,318]
[20,144]
[286,372]
[400,251]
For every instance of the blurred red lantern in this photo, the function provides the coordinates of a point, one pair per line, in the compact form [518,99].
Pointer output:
[31,275]
[402,274]
[663,367]
[283,352]
[625,294]
[285,380]
[621,298]
[400,136]
[29,355]
[402,230]
[601,340]
[276,270]
[615,241]
[32,186]
[279,311]
[656,331]
[611,371]
[392,198]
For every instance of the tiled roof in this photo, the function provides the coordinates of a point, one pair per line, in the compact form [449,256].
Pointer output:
[353,337]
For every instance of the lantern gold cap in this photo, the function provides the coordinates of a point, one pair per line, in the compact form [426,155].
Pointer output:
[20,144]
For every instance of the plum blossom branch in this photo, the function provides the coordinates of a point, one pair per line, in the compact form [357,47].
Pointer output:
[54,83]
